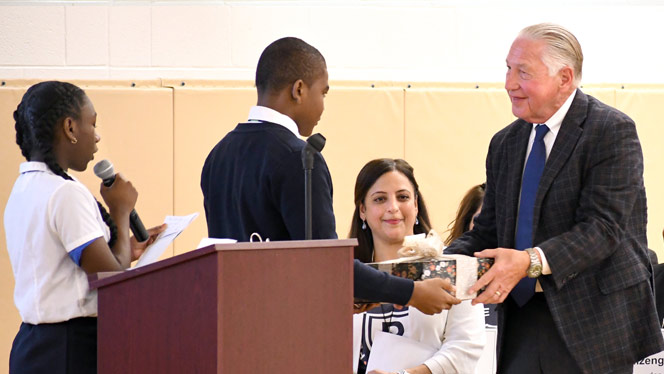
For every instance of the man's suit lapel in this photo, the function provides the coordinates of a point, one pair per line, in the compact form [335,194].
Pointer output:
[568,135]
[516,156]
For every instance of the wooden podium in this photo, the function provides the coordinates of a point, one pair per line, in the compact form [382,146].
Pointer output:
[275,307]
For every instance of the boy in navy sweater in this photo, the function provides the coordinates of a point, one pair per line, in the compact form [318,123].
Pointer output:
[252,180]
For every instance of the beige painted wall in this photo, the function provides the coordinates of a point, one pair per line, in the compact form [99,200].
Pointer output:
[159,133]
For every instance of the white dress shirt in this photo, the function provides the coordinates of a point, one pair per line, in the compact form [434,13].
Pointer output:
[549,139]
[264,114]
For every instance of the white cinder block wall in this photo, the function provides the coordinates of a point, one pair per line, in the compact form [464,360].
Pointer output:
[443,40]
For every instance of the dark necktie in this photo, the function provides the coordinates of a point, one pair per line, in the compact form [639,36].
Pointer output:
[525,289]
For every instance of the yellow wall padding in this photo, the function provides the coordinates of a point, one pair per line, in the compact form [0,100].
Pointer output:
[136,129]
[646,107]
[158,133]
[603,94]
[447,138]
[203,115]
[360,124]
[10,158]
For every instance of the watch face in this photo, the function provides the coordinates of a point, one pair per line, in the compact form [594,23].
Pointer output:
[535,271]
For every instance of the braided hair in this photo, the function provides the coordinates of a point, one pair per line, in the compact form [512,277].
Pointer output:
[42,107]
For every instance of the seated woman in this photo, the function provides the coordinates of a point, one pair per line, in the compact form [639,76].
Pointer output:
[389,206]
[469,208]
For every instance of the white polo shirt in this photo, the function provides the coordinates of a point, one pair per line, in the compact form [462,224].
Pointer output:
[46,217]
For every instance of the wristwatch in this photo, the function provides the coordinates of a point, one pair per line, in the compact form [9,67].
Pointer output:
[535,269]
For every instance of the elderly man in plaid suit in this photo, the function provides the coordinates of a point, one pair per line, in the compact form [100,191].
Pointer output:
[564,217]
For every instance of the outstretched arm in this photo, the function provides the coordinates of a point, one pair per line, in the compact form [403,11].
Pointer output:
[429,296]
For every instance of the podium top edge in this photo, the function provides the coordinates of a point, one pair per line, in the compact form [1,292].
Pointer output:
[100,280]
[293,244]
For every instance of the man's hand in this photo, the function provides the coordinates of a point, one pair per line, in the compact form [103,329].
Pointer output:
[509,267]
[431,296]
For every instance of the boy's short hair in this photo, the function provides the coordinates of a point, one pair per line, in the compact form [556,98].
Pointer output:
[286,60]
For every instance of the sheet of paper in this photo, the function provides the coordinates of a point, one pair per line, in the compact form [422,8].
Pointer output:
[176,224]
[390,352]
[651,365]
[209,241]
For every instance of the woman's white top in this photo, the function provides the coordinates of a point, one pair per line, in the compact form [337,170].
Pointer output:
[46,217]
[458,335]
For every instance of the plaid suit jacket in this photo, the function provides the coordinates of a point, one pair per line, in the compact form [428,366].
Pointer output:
[590,222]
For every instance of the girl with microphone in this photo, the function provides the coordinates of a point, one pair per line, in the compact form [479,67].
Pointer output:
[57,233]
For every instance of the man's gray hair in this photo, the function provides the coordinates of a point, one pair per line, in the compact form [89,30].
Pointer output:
[563,48]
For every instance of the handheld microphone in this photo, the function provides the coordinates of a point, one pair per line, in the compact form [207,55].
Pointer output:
[315,144]
[104,170]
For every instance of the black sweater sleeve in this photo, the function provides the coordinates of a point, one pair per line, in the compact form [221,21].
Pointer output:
[374,285]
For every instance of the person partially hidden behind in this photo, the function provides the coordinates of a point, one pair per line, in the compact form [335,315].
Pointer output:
[564,217]
[57,233]
[469,208]
[388,207]
[252,180]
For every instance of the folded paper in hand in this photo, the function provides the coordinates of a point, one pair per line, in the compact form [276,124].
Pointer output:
[175,225]
[423,258]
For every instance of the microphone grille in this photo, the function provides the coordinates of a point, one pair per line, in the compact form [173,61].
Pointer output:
[104,169]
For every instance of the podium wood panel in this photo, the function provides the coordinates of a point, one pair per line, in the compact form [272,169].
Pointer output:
[279,307]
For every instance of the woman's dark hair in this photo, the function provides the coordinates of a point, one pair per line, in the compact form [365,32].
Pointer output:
[365,179]
[467,208]
[42,108]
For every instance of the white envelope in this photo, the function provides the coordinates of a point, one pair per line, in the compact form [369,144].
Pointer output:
[390,352]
